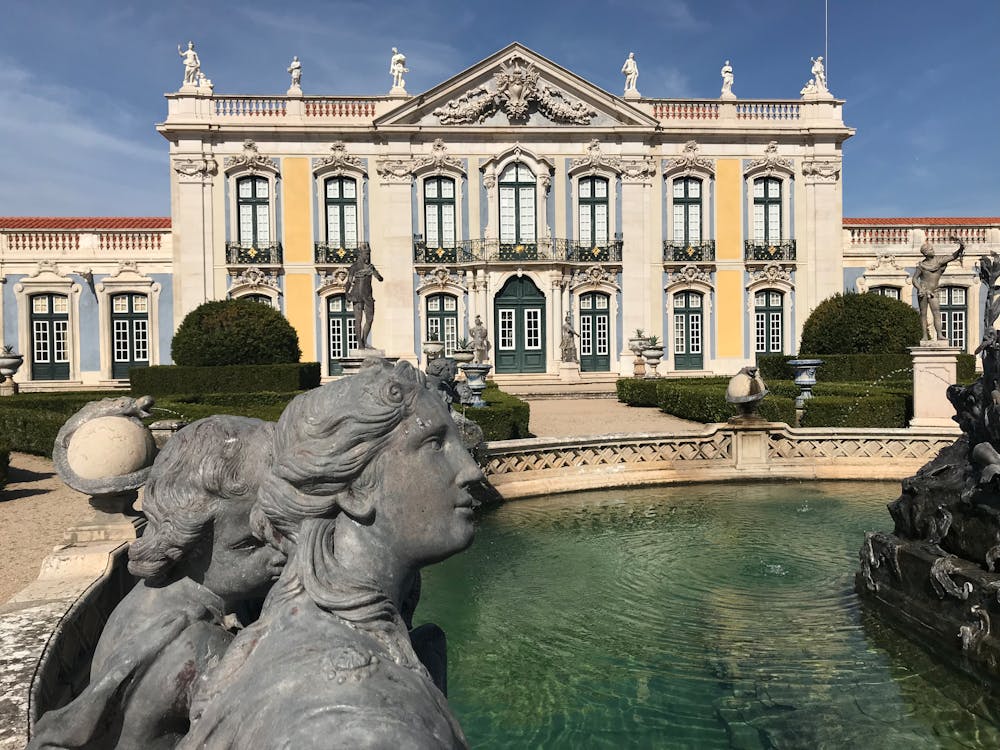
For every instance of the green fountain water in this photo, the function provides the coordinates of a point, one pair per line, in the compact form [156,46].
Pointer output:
[698,616]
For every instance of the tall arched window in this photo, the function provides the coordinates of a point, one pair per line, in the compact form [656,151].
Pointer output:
[253,199]
[439,212]
[517,205]
[342,212]
[129,333]
[687,211]
[953,311]
[768,322]
[593,212]
[767,210]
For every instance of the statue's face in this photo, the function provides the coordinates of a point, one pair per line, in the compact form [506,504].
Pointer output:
[241,566]
[423,512]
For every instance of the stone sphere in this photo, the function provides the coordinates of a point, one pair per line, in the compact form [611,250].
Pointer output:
[109,447]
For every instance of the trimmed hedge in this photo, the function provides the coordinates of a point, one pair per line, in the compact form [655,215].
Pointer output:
[4,465]
[873,410]
[174,379]
[505,418]
[860,324]
[637,391]
[704,400]
[234,332]
[31,430]
[861,369]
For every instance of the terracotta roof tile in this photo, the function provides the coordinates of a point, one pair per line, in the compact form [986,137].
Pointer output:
[925,221]
[83,223]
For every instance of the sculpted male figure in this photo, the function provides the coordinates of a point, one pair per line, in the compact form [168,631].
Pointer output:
[631,71]
[295,68]
[359,292]
[926,280]
[369,483]
[727,79]
[397,66]
[567,345]
[819,73]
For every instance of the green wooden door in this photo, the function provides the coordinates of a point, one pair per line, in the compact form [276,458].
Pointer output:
[520,327]
[129,333]
[50,337]
[595,332]
[688,319]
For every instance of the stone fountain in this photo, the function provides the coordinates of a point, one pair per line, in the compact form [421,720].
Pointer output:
[936,574]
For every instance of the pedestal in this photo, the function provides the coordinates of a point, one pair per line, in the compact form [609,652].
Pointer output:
[935,366]
[632,95]
[352,364]
[8,387]
[398,92]
[569,372]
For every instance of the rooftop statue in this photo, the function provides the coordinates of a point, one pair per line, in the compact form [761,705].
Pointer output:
[727,81]
[295,70]
[369,483]
[199,564]
[926,280]
[192,65]
[631,71]
[819,73]
[397,67]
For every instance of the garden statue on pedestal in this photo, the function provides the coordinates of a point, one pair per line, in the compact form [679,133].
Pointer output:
[926,280]
[359,292]
[567,346]
[480,341]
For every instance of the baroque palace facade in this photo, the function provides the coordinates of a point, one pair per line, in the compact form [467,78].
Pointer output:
[515,191]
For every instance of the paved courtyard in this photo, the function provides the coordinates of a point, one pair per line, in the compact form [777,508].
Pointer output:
[36,507]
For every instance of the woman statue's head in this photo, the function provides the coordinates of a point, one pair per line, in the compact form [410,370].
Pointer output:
[197,503]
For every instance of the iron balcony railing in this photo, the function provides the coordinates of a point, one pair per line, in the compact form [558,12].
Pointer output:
[543,250]
[326,253]
[246,254]
[764,251]
[688,252]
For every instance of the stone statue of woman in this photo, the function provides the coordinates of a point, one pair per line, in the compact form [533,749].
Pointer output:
[369,483]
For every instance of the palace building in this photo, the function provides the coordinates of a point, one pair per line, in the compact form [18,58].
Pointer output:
[516,191]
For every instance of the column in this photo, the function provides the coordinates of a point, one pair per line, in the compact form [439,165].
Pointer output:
[192,230]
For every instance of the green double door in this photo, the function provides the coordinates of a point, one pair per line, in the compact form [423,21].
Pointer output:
[520,327]
[688,354]
[595,332]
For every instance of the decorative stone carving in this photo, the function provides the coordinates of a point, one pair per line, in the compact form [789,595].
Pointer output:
[254,277]
[195,169]
[441,277]
[689,161]
[770,162]
[394,170]
[941,572]
[772,272]
[333,280]
[595,159]
[438,160]
[638,170]
[689,274]
[594,275]
[338,159]
[821,171]
[251,160]
[977,631]
[515,88]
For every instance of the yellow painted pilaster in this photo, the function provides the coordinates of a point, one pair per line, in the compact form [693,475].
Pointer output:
[300,295]
[728,214]
[729,311]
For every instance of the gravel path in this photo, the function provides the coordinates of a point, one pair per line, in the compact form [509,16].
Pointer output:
[36,507]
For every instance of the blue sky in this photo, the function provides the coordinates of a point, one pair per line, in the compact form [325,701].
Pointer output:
[81,83]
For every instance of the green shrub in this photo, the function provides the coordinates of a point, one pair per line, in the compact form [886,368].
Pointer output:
[637,391]
[234,332]
[31,430]
[857,368]
[860,324]
[175,379]
[505,418]
[872,410]
[704,400]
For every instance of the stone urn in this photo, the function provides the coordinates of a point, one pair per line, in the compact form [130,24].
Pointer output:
[653,353]
[636,344]
[10,363]
[433,348]
[463,355]
[805,378]
[475,376]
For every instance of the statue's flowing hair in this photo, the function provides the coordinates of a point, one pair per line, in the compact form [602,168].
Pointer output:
[214,460]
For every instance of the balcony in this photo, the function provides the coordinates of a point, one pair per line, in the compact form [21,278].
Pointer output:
[549,250]
[263,254]
[327,254]
[689,252]
[763,252]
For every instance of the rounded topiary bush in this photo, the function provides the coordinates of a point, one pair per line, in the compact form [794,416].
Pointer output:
[860,324]
[235,332]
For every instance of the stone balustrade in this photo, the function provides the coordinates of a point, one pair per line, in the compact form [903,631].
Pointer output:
[905,236]
[32,245]
[768,113]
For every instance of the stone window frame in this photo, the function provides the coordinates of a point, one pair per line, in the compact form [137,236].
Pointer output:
[707,292]
[48,280]
[707,177]
[233,174]
[422,174]
[127,280]
[612,290]
[613,176]
[340,169]
[787,289]
[543,169]
[785,174]
[443,284]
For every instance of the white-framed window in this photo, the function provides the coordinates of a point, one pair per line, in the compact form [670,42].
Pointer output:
[442,320]
[768,322]
[892,292]
[253,208]
[593,208]
[341,202]
[767,209]
[952,300]
[517,205]
[532,328]
[687,196]
[505,319]
[439,212]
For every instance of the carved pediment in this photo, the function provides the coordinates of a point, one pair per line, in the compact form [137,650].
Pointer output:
[251,160]
[515,87]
